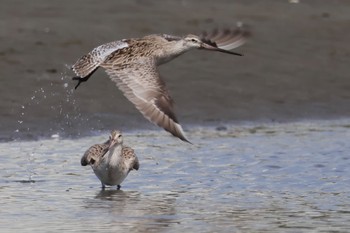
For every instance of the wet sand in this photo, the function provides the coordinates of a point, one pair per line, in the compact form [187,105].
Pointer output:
[295,65]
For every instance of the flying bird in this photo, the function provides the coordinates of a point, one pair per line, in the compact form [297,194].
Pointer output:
[133,65]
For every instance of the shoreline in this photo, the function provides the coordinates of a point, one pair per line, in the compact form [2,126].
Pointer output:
[216,127]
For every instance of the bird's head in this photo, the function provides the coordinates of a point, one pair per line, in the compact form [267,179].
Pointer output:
[116,138]
[193,41]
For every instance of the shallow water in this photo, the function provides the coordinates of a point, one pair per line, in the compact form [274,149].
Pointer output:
[248,178]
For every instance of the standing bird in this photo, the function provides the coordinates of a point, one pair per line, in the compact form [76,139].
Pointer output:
[111,161]
[132,65]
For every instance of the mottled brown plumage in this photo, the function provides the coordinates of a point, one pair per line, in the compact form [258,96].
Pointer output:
[129,154]
[133,65]
[111,161]
[94,153]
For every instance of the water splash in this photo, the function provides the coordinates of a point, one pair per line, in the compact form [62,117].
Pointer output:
[64,113]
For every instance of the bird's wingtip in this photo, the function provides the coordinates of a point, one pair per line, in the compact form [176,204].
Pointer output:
[185,140]
[181,134]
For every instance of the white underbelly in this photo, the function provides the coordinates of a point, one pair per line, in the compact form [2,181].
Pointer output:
[110,175]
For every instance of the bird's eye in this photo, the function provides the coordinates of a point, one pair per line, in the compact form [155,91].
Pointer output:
[193,40]
[119,136]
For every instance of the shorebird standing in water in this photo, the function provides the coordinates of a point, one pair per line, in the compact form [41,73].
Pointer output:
[111,161]
[132,65]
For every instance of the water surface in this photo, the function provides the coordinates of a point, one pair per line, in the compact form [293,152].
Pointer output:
[248,178]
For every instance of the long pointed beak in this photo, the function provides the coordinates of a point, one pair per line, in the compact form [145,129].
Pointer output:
[111,143]
[212,48]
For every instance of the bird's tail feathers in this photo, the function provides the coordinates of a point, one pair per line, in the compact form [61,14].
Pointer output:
[85,66]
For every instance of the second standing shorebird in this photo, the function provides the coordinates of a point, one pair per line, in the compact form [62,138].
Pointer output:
[111,161]
[132,65]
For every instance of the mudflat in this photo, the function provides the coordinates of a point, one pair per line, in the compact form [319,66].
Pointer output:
[295,64]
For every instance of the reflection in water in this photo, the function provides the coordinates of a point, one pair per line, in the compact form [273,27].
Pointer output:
[132,210]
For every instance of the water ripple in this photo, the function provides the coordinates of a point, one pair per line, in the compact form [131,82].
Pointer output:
[244,178]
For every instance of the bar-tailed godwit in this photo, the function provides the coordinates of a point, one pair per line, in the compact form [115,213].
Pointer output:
[111,161]
[132,65]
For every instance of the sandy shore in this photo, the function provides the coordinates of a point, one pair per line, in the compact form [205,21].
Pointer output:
[295,64]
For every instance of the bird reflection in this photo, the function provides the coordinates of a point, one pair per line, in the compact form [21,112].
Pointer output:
[151,212]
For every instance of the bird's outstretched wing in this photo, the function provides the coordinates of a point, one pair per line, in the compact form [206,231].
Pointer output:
[141,84]
[129,154]
[94,154]
[89,63]
[226,39]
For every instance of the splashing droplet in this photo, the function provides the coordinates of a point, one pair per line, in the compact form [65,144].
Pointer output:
[55,135]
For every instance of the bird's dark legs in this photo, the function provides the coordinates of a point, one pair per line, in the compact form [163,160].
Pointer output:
[81,80]
[103,187]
